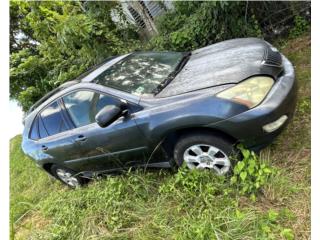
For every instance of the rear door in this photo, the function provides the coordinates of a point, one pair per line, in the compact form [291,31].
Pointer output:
[54,140]
[118,145]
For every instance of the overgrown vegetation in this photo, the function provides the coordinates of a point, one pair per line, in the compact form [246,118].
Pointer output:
[251,174]
[145,205]
[53,42]
[196,24]
[192,25]
[184,205]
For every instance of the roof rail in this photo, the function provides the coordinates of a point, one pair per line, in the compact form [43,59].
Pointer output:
[94,67]
[51,93]
[68,84]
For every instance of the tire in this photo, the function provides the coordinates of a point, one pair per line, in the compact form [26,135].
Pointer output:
[71,179]
[205,151]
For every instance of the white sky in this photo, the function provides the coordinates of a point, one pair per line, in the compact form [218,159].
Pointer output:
[15,126]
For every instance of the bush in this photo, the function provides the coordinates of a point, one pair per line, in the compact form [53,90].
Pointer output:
[301,26]
[195,24]
[192,25]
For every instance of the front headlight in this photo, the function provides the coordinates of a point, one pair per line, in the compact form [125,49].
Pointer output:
[250,92]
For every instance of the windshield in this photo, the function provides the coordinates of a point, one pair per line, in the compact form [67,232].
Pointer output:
[140,73]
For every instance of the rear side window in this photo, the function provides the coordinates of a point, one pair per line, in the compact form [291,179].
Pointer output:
[38,130]
[34,130]
[52,119]
[42,131]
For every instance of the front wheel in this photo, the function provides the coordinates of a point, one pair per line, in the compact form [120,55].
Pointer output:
[204,151]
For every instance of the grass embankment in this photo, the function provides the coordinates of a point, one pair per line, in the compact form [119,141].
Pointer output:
[162,205]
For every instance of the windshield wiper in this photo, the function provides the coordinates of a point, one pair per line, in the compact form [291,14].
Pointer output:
[172,75]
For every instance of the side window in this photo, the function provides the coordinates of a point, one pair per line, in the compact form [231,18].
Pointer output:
[80,107]
[105,100]
[42,131]
[83,106]
[52,119]
[38,130]
[34,130]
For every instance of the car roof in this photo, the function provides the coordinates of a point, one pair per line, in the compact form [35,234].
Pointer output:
[81,78]
[51,93]
[76,85]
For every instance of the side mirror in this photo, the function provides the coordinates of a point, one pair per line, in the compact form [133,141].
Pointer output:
[108,115]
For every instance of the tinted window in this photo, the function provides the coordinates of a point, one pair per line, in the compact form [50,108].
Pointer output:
[140,73]
[42,131]
[105,100]
[80,107]
[34,130]
[83,106]
[52,119]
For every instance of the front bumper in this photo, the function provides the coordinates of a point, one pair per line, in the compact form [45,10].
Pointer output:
[247,127]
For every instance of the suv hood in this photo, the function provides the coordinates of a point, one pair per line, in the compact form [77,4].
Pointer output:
[227,62]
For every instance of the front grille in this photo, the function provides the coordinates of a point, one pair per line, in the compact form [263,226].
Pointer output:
[272,58]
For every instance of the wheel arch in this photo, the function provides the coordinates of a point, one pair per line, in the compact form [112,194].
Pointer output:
[170,140]
[47,167]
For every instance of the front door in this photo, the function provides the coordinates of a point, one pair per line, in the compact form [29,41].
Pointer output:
[121,144]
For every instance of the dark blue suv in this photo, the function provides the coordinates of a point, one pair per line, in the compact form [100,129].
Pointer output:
[162,109]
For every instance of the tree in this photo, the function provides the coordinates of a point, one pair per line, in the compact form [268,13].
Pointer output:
[53,42]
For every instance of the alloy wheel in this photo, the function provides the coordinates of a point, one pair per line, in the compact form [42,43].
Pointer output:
[67,178]
[203,156]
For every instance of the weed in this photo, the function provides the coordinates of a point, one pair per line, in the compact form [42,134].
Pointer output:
[301,26]
[250,174]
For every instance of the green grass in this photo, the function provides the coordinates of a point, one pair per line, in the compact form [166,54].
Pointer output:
[184,205]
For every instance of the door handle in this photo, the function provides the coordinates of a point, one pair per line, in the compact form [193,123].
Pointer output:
[44,148]
[81,138]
